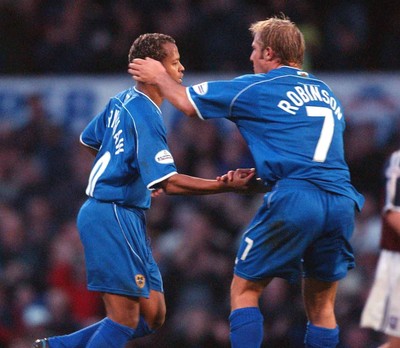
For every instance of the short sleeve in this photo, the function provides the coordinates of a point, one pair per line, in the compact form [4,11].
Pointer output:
[93,134]
[154,157]
[213,99]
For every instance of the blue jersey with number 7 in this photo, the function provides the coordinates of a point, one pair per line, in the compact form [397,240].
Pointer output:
[291,121]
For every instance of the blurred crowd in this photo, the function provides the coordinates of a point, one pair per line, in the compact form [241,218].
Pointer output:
[44,170]
[43,176]
[94,36]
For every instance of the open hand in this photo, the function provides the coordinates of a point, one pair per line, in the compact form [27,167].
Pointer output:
[145,70]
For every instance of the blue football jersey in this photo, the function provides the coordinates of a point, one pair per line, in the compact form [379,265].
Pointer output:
[291,121]
[133,155]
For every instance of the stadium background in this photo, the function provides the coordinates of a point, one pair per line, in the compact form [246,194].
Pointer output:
[60,61]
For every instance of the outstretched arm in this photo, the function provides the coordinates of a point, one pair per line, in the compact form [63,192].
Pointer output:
[181,184]
[153,72]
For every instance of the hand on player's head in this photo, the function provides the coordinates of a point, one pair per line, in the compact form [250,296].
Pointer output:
[145,70]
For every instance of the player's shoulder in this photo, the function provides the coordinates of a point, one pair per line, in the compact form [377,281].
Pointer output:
[249,78]
[125,96]
[305,77]
[290,72]
[276,74]
[132,98]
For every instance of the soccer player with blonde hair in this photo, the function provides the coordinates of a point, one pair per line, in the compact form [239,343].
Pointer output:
[293,124]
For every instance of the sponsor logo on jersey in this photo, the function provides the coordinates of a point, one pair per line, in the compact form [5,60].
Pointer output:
[164,157]
[201,88]
[140,280]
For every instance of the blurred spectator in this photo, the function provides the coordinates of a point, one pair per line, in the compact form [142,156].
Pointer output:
[41,137]
[90,36]
[19,31]
[364,157]
[7,324]
[346,35]
[126,21]
[284,326]
[222,36]
[366,234]
[67,273]
[384,17]
[14,265]
[9,161]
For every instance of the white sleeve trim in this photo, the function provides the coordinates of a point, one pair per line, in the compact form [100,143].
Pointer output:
[194,104]
[83,143]
[149,186]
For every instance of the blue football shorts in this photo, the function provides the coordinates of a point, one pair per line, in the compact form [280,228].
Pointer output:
[117,251]
[300,230]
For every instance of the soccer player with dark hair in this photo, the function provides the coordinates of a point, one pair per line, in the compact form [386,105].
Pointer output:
[293,124]
[128,139]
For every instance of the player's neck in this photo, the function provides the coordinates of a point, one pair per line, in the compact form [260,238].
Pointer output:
[151,91]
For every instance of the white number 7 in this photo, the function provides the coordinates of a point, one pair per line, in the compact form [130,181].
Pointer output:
[326,135]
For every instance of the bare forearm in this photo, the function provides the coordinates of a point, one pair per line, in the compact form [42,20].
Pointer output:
[181,184]
[175,93]
[153,72]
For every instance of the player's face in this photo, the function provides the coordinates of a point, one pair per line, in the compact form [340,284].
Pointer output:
[172,62]
[256,56]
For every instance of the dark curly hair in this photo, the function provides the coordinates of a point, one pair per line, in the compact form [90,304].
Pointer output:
[149,45]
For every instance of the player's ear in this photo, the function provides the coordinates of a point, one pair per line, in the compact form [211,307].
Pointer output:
[267,53]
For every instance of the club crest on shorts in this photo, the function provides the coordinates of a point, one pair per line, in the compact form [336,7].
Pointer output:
[140,280]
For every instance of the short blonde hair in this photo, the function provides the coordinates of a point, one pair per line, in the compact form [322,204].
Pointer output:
[283,36]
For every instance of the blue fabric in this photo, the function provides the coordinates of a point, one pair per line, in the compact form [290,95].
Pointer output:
[319,337]
[298,225]
[246,325]
[110,335]
[142,329]
[291,121]
[118,234]
[133,154]
[76,339]
[80,338]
